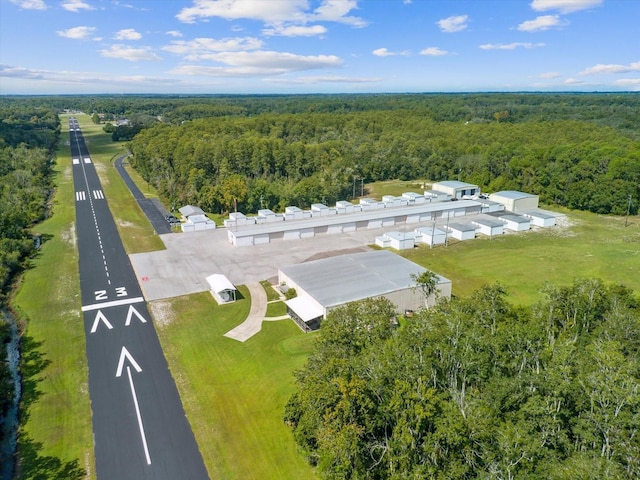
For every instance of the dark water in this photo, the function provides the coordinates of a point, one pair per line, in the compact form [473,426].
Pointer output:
[10,423]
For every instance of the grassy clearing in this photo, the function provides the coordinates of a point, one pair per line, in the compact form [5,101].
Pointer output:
[60,416]
[234,393]
[587,246]
[276,309]
[271,293]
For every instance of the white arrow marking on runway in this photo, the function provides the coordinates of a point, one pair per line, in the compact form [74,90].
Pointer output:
[132,312]
[125,354]
[100,318]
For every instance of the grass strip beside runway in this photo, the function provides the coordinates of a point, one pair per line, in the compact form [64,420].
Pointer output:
[56,416]
[234,393]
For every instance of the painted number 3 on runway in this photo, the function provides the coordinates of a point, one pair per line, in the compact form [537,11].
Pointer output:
[102,294]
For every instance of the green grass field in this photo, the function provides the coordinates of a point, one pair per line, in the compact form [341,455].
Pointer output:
[587,245]
[234,393]
[59,417]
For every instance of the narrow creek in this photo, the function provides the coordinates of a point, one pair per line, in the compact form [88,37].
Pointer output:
[10,424]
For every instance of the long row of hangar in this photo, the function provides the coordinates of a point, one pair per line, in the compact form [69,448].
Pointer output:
[445,204]
[450,210]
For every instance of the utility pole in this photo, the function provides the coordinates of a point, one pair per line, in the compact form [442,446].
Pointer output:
[626,220]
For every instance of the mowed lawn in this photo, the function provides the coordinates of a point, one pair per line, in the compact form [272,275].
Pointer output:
[49,300]
[583,245]
[234,393]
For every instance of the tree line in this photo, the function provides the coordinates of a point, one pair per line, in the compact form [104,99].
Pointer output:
[476,388]
[275,160]
[28,136]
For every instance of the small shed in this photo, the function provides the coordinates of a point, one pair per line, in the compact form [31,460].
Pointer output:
[462,231]
[221,288]
[488,226]
[540,218]
[515,201]
[430,235]
[400,240]
[515,223]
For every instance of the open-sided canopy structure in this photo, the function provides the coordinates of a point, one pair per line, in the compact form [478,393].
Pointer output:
[222,288]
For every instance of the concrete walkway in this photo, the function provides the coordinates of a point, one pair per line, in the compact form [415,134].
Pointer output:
[253,323]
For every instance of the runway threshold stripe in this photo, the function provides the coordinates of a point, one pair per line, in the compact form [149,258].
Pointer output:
[114,303]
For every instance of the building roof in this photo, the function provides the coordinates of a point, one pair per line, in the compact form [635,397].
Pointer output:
[305,309]
[539,214]
[462,227]
[512,217]
[366,215]
[189,210]
[455,184]
[347,278]
[219,283]
[513,194]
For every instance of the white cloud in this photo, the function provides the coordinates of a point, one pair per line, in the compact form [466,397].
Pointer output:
[295,30]
[127,34]
[174,33]
[510,46]
[611,68]
[129,53]
[544,22]
[77,33]
[453,24]
[76,5]
[311,80]
[76,77]
[573,81]
[549,75]
[259,63]
[434,52]
[564,6]
[273,12]
[384,52]
[631,83]
[31,4]
[202,48]
[338,11]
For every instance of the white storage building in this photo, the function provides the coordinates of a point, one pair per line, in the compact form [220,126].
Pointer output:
[462,231]
[430,235]
[515,201]
[541,218]
[488,226]
[513,222]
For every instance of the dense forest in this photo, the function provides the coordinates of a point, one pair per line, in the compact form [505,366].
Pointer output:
[28,137]
[274,160]
[476,388]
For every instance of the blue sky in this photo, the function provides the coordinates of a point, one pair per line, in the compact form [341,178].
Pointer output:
[318,46]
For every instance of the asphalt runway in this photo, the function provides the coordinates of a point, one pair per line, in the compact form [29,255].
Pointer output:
[139,424]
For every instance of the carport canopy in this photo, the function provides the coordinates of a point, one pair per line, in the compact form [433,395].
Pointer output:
[222,286]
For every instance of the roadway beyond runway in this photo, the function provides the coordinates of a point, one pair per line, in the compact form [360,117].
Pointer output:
[139,424]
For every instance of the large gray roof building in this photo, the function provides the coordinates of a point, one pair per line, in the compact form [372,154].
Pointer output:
[328,283]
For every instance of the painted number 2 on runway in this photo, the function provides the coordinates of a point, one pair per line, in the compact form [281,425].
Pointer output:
[102,294]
